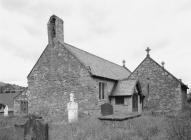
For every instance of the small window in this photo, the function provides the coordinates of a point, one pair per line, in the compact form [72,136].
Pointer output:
[101,90]
[119,100]
[53,24]
[24,107]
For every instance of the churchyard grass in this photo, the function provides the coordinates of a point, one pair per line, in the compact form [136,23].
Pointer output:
[146,127]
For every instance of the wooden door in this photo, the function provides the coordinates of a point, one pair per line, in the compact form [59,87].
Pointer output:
[135,103]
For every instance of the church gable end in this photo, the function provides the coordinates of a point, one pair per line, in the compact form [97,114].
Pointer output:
[56,74]
[161,89]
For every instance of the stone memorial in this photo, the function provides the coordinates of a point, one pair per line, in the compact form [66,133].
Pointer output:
[106,109]
[6,111]
[72,108]
[34,128]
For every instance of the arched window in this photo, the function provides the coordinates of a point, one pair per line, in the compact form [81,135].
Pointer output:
[24,106]
[101,90]
[53,31]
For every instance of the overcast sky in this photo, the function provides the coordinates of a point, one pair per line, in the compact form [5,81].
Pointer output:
[112,29]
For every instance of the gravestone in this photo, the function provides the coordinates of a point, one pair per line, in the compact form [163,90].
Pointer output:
[6,111]
[72,108]
[106,109]
[34,128]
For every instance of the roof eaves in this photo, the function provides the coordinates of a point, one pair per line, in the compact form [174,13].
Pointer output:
[106,78]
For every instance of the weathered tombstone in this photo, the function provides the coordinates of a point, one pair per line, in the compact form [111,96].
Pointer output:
[72,108]
[106,109]
[34,128]
[6,111]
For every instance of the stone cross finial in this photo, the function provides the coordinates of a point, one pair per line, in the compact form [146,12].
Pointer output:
[162,63]
[123,63]
[148,50]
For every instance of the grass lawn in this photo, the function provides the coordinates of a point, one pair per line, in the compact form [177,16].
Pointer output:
[146,127]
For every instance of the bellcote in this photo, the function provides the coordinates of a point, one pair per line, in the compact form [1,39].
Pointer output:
[55,29]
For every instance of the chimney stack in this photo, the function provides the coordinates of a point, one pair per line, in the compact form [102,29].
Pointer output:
[55,29]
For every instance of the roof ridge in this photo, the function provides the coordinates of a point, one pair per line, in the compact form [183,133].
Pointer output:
[97,56]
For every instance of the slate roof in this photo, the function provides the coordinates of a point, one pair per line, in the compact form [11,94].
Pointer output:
[95,65]
[99,66]
[125,88]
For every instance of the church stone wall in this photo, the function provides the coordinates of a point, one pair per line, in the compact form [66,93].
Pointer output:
[16,107]
[56,74]
[164,91]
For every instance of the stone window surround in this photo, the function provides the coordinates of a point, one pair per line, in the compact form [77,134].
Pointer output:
[101,87]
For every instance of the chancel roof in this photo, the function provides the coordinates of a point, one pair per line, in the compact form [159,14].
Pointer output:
[99,66]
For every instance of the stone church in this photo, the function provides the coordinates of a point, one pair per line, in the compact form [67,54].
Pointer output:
[63,68]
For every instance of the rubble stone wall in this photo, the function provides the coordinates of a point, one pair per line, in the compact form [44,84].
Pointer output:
[58,73]
[164,92]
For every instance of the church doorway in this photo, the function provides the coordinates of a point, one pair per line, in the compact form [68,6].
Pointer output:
[135,102]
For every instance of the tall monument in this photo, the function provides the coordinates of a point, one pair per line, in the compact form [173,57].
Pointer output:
[72,108]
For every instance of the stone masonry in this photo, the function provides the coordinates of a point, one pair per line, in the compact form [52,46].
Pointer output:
[56,74]
[163,91]
[60,71]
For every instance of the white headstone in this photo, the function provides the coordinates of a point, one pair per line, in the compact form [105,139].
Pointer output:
[6,111]
[72,108]
[71,97]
